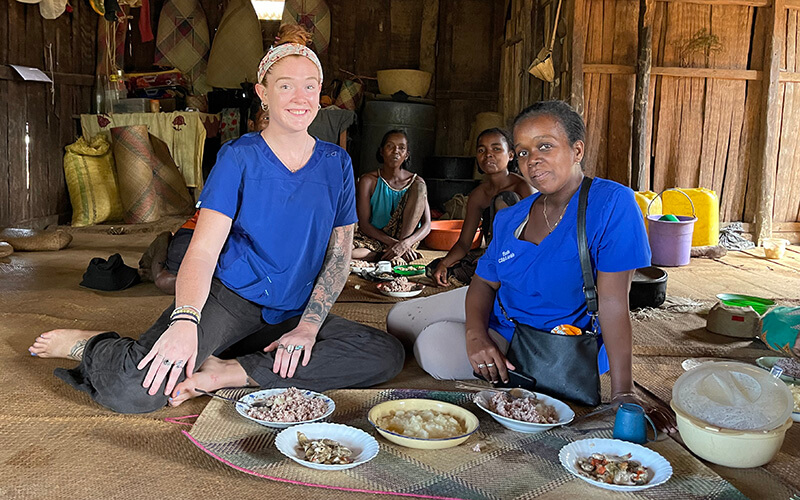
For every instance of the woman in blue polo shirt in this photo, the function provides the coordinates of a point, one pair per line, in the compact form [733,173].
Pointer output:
[270,254]
[532,264]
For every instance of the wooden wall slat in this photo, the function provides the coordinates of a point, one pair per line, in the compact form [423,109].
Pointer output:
[5,200]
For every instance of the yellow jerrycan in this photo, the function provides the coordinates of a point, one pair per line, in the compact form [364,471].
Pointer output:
[706,207]
[643,198]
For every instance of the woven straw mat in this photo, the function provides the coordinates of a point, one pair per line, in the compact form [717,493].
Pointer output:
[510,465]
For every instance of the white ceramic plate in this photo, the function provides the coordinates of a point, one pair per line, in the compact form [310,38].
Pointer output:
[363,446]
[767,362]
[659,466]
[413,293]
[796,416]
[360,269]
[254,396]
[565,413]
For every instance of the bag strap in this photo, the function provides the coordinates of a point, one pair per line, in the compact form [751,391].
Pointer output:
[589,287]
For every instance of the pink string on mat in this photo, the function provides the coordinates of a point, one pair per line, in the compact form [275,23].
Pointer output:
[301,483]
[175,420]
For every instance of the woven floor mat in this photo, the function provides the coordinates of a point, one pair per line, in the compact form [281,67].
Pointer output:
[373,315]
[456,472]
[685,334]
[777,479]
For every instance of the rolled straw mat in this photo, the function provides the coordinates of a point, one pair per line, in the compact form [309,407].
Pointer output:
[148,186]
[237,47]
[509,465]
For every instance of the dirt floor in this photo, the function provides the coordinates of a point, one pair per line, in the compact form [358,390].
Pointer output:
[56,443]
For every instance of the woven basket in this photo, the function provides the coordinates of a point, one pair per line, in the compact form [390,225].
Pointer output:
[413,82]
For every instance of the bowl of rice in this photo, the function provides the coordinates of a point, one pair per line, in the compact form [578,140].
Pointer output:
[425,424]
[285,407]
[524,411]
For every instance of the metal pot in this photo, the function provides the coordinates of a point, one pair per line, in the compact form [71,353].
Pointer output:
[449,167]
[648,288]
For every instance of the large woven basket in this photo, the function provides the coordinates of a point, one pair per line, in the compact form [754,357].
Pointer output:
[413,82]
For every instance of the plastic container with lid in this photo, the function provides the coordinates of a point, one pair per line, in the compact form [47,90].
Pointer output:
[733,395]
[643,198]
[732,414]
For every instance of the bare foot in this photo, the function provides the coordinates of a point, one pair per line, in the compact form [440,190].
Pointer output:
[67,344]
[213,374]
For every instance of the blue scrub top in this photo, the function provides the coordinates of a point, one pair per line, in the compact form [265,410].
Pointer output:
[282,220]
[542,285]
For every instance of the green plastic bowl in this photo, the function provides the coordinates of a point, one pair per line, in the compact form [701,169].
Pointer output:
[758,304]
[417,270]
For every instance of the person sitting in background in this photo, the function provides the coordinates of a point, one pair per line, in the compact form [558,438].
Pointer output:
[162,259]
[392,206]
[501,187]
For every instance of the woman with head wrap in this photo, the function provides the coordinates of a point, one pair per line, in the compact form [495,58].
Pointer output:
[270,254]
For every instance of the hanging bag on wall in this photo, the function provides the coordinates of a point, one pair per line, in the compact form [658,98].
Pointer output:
[563,366]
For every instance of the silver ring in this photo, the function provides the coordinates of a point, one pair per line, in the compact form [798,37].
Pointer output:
[299,347]
[179,364]
[489,365]
[481,365]
[166,362]
[281,346]
[290,348]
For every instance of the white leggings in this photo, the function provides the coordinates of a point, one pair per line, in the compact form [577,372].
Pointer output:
[435,326]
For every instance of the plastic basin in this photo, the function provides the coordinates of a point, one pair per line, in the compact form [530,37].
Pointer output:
[445,233]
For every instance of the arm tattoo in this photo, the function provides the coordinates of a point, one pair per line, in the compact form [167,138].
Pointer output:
[332,276]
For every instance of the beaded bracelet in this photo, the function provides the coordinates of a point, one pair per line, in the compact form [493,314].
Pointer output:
[184,310]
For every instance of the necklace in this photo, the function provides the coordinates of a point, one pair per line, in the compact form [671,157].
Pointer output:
[302,157]
[544,211]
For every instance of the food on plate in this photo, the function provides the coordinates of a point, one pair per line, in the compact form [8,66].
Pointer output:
[324,451]
[528,409]
[400,284]
[383,276]
[425,424]
[363,264]
[796,395]
[790,366]
[612,469]
[410,268]
[289,406]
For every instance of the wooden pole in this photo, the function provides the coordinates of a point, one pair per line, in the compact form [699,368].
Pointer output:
[427,40]
[770,119]
[640,158]
[576,41]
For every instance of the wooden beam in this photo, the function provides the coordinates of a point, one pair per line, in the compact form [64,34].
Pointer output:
[777,227]
[720,73]
[640,160]
[793,4]
[577,46]
[467,95]
[770,120]
[427,40]
[789,77]
[747,3]
[8,73]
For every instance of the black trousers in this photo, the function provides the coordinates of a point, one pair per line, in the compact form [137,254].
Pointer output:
[346,354]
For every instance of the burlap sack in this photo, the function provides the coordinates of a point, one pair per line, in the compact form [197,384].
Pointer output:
[32,240]
[89,171]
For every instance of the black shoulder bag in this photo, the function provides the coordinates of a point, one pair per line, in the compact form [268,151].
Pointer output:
[563,366]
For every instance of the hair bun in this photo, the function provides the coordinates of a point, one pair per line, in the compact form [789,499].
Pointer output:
[293,33]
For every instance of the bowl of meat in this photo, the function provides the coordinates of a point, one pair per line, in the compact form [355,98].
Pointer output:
[281,408]
[615,465]
[524,411]
[327,446]
[400,288]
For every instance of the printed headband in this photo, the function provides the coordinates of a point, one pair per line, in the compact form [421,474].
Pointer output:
[278,52]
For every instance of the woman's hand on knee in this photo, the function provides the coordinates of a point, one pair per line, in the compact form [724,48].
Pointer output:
[173,352]
[440,274]
[290,347]
[486,358]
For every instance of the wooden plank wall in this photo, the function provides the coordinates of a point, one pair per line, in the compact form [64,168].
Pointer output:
[32,185]
[787,187]
[704,108]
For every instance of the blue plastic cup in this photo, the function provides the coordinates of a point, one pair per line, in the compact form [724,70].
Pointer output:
[631,424]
